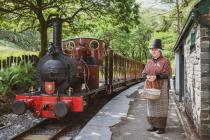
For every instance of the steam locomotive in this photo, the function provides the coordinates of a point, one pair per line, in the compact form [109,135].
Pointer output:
[71,72]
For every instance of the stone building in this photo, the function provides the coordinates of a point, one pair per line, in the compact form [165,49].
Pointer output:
[192,67]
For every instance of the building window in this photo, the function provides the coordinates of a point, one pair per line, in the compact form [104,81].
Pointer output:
[192,41]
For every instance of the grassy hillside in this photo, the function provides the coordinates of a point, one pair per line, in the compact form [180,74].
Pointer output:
[11,49]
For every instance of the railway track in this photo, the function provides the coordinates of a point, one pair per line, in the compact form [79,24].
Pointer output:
[48,130]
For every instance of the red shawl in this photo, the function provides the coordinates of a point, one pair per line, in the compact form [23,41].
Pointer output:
[157,66]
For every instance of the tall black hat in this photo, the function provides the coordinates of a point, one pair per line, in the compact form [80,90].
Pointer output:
[157,44]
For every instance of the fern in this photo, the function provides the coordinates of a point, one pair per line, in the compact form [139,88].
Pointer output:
[19,77]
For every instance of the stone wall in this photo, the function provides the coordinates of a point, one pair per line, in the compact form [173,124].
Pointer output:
[204,45]
[196,83]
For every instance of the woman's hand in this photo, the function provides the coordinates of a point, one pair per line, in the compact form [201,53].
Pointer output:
[151,78]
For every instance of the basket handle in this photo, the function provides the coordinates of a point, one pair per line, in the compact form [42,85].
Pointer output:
[146,83]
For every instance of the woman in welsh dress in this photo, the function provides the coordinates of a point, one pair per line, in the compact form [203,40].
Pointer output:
[157,73]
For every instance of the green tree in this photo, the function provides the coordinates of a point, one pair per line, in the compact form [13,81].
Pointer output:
[127,14]
[123,30]
[37,14]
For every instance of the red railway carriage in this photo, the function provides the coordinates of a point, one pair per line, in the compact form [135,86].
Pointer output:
[74,70]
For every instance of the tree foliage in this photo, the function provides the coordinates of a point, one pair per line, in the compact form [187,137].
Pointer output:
[164,23]
[37,14]
[133,44]
[128,38]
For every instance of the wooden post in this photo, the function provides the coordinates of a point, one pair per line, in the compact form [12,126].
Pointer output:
[18,60]
[125,67]
[0,65]
[110,67]
[11,60]
[4,63]
[15,60]
[106,66]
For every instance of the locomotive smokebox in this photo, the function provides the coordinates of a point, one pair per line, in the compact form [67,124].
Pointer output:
[57,29]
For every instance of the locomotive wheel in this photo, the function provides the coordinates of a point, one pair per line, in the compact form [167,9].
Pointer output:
[19,107]
[60,109]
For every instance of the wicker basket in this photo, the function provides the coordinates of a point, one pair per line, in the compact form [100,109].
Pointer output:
[151,94]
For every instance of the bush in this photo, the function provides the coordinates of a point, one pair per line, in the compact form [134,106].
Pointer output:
[17,78]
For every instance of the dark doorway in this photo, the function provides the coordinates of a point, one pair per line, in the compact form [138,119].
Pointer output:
[181,70]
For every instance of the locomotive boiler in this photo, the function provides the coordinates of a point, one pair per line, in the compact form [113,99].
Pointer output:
[71,72]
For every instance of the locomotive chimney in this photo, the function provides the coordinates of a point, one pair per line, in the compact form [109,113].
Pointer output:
[57,29]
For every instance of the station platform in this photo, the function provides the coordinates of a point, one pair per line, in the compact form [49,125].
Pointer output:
[124,118]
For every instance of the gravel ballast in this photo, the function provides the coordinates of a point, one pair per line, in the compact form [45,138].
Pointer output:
[12,124]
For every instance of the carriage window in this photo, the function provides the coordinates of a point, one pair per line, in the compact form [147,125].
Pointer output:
[94,44]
